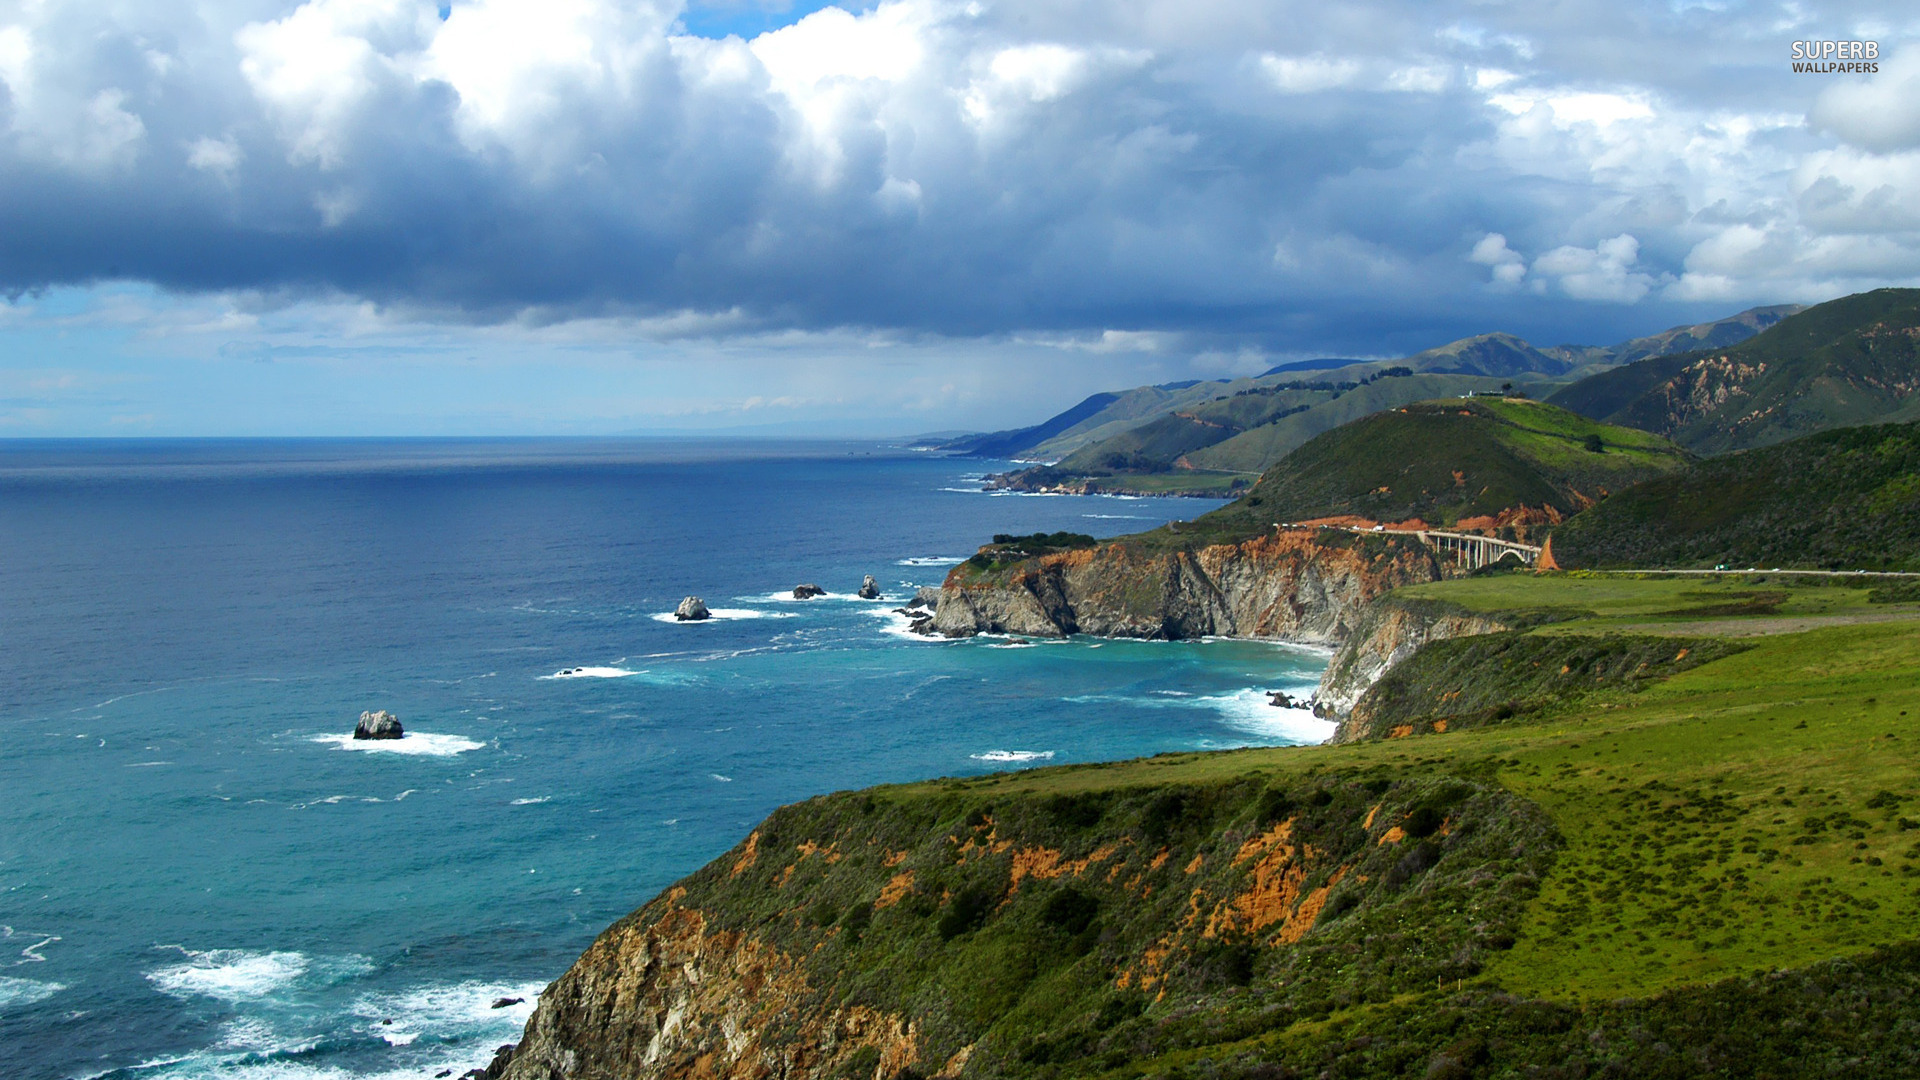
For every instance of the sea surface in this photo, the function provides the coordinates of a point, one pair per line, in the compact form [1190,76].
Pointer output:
[202,875]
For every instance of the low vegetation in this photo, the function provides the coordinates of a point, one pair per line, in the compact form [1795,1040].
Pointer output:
[1688,851]
[1855,360]
[1841,500]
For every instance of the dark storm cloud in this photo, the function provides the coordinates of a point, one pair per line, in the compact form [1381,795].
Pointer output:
[1322,177]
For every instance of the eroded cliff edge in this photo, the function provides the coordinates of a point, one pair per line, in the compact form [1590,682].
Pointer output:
[1309,586]
[1074,921]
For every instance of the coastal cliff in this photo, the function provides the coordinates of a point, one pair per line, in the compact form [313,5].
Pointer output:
[1059,923]
[1521,864]
[1309,586]
[1390,632]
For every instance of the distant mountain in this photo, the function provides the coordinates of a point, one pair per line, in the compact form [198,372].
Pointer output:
[1007,444]
[1225,430]
[1849,361]
[1488,354]
[1847,499]
[1322,364]
[1719,334]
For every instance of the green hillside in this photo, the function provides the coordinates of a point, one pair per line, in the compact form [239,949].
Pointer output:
[1850,361]
[1259,448]
[1442,461]
[1706,872]
[1842,500]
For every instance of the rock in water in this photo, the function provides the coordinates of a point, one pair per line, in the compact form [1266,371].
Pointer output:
[869,589]
[807,592]
[692,609]
[378,725]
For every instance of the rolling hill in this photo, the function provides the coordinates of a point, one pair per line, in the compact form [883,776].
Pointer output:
[1847,499]
[1480,463]
[1850,361]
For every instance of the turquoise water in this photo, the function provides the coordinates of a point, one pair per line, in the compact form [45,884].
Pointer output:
[202,876]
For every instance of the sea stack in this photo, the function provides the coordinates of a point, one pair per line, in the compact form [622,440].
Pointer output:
[692,609]
[807,592]
[380,724]
[869,589]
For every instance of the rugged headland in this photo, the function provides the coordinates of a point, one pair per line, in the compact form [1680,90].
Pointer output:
[1302,585]
[1668,832]
[1285,559]
[1573,824]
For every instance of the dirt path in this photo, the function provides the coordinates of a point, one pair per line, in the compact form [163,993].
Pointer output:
[1759,627]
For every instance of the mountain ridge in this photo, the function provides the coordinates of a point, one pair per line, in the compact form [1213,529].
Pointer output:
[1855,360]
[1140,439]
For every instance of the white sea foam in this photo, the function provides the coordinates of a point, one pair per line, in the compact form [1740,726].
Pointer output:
[415,743]
[531,802]
[1248,710]
[448,1011]
[592,673]
[1117,517]
[787,597]
[722,614]
[894,624]
[19,993]
[931,560]
[1012,645]
[241,974]
[1245,710]
[722,779]
[1014,755]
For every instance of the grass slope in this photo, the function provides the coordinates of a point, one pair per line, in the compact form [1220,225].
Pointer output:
[1439,461]
[1846,362]
[1614,884]
[1842,500]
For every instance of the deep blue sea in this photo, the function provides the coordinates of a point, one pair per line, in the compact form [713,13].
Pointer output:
[202,876]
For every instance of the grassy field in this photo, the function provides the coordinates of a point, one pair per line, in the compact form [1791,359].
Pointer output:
[1750,815]
[1676,604]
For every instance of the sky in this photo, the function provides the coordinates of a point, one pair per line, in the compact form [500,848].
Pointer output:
[554,217]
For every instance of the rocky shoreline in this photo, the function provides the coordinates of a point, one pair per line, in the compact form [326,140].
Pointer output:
[1291,586]
[664,993]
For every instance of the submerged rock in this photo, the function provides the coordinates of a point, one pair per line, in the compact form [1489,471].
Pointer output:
[692,609]
[869,589]
[807,592]
[380,724]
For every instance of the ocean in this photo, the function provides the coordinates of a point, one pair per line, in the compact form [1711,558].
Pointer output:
[202,875]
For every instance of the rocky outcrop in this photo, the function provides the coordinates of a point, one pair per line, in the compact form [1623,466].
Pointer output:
[692,609]
[1310,587]
[807,592]
[1389,633]
[665,994]
[953,934]
[869,589]
[379,724]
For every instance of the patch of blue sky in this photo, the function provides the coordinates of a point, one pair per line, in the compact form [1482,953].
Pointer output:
[748,19]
